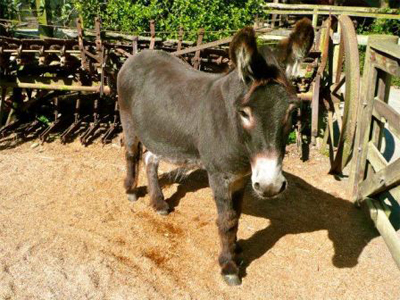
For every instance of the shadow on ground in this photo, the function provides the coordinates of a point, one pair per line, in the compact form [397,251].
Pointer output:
[302,208]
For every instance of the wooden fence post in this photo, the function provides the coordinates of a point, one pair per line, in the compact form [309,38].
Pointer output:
[385,228]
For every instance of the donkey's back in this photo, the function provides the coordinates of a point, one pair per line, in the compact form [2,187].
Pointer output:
[161,99]
[150,73]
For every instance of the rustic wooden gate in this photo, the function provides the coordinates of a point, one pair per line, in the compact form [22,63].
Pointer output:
[373,174]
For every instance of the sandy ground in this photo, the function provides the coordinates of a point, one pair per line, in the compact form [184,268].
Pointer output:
[67,231]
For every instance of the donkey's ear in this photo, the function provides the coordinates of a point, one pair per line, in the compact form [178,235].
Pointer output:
[243,53]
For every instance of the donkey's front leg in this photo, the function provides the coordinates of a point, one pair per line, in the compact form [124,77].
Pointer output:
[228,197]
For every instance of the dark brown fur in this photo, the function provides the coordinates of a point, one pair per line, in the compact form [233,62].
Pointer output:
[292,50]
[189,117]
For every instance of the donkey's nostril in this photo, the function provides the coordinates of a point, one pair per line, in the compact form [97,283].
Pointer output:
[256,186]
[283,187]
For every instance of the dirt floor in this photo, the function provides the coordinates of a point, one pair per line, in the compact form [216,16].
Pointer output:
[67,231]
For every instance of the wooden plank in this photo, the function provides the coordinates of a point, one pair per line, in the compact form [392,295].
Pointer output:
[329,8]
[270,37]
[338,113]
[324,141]
[84,62]
[389,48]
[327,13]
[380,181]
[180,39]
[377,127]
[314,108]
[386,64]
[315,18]
[129,37]
[203,46]
[383,111]
[46,83]
[385,228]
[338,55]
[134,45]
[331,137]
[363,128]
[152,34]
[2,102]
[325,45]
[376,159]
[395,192]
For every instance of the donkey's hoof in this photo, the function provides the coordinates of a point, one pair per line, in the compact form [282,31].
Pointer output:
[163,212]
[132,197]
[161,207]
[232,279]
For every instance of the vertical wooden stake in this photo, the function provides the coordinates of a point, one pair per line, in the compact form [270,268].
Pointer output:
[79,28]
[2,102]
[196,59]
[134,45]
[315,18]
[97,27]
[180,38]
[152,35]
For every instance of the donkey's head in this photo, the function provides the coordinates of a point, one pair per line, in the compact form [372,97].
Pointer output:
[264,113]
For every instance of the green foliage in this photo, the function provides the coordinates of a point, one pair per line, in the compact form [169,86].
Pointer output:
[44,120]
[380,26]
[59,12]
[361,52]
[8,9]
[292,138]
[134,16]
[396,81]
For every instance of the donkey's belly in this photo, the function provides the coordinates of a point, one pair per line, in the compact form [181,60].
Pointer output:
[174,156]
[188,163]
[179,153]
[168,129]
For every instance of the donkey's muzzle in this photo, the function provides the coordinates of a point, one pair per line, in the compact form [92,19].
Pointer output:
[267,178]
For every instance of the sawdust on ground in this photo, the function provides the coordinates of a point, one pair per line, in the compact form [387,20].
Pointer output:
[67,231]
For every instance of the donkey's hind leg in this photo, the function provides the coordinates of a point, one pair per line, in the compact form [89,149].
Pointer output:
[156,196]
[133,150]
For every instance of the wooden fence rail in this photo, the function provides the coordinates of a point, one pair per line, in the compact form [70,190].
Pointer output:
[325,10]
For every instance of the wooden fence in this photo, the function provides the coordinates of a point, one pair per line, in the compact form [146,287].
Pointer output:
[373,174]
[325,10]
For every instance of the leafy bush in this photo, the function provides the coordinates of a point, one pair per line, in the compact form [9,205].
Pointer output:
[292,137]
[379,26]
[8,9]
[134,16]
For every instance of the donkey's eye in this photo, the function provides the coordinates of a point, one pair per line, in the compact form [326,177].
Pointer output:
[244,114]
[247,117]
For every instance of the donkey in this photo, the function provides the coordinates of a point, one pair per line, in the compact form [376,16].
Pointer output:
[233,125]
[292,50]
